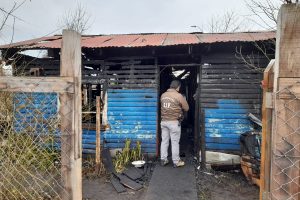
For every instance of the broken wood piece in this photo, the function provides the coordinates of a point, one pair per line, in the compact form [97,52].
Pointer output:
[127,182]
[117,185]
[133,173]
[107,161]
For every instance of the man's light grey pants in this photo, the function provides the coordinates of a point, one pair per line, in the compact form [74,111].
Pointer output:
[170,130]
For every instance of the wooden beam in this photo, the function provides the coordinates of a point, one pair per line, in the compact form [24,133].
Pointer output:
[285,162]
[37,84]
[98,128]
[289,87]
[70,112]
[266,133]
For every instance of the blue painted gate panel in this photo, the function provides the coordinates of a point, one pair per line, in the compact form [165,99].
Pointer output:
[132,114]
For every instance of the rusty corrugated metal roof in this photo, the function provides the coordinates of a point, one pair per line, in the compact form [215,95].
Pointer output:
[143,40]
[29,43]
[180,38]
[235,37]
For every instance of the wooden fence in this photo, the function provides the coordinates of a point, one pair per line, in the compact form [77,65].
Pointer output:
[32,181]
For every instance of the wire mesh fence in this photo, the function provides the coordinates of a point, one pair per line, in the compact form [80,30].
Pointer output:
[34,152]
[286,144]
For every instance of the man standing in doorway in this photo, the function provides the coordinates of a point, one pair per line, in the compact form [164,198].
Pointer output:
[172,106]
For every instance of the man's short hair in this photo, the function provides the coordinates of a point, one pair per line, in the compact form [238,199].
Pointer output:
[175,84]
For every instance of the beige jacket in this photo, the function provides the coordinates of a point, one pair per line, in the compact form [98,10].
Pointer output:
[172,104]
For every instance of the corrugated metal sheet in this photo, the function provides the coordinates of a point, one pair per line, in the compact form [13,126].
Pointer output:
[235,37]
[180,38]
[89,141]
[35,110]
[149,40]
[33,43]
[228,93]
[132,114]
[143,40]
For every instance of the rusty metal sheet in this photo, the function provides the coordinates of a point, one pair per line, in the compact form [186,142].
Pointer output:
[142,40]
[95,41]
[27,44]
[235,37]
[149,40]
[180,38]
[119,41]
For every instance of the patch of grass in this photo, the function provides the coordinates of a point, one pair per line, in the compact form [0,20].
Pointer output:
[127,155]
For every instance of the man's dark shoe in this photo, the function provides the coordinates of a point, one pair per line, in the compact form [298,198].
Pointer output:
[164,162]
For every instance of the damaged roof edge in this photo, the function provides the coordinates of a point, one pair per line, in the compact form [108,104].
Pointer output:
[144,40]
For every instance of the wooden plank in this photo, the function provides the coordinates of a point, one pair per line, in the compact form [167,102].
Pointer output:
[203,142]
[107,161]
[239,101]
[141,82]
[231,86]
[234,76]
[266,132]
[232,66]
[289,42]
[284,164]
[70,112]
[133,173]
[133,86]
[102,76]
[232,91]
[130,71]
[289,88]
[37,84]
[231,71]
[98,129]
[133,81]
[230,96]
[224,106]
[128,182]
[231,81]
[117,185]
[139,67]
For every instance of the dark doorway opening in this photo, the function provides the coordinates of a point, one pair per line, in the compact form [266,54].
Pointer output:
[188,78]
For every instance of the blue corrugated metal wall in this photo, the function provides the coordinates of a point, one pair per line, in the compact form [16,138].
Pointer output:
[34,110]
[223,125]
[132,114]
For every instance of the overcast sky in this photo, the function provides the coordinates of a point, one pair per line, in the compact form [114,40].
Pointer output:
[37,18]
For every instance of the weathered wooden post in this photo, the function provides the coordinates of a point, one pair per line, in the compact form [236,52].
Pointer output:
[70,112]
[98,130]
[266,131]
[285,161]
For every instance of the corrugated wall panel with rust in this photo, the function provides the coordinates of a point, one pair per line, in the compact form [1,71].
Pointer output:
[228,93]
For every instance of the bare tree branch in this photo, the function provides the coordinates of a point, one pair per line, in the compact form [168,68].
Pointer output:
[77,20]
[265,11]
[228,22]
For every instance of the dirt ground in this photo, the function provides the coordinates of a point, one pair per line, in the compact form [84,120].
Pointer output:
[101,189]
[212,185]
[216,185]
